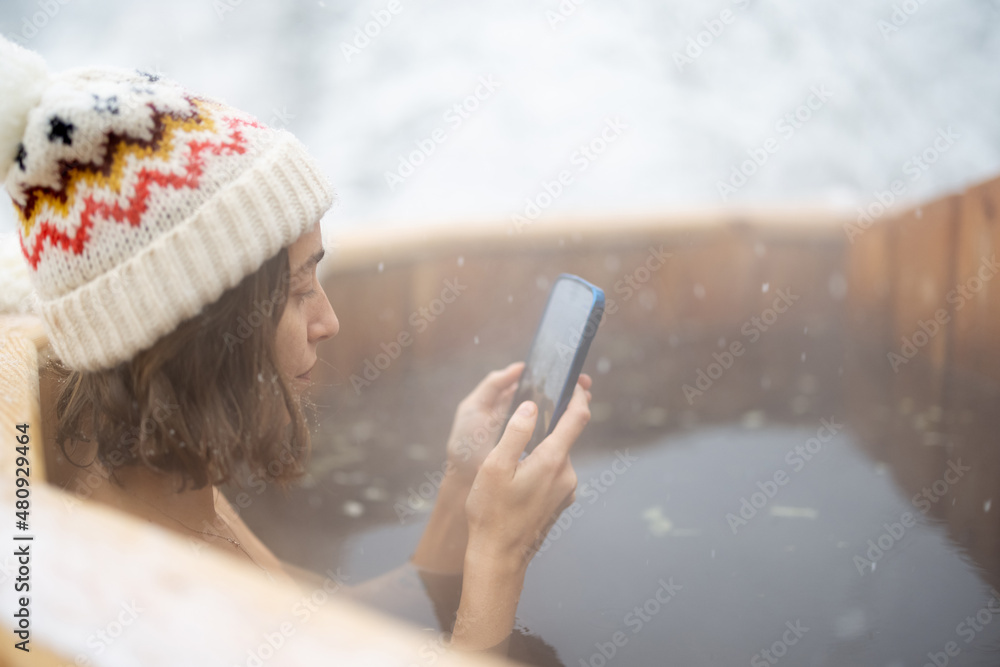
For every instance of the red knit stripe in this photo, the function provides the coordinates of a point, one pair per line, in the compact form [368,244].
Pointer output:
[133,212]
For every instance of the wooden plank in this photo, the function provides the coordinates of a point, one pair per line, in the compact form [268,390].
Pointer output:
[391,245]
[711,283]
[188,606]
[869,294]
[185,606]
[923,243]
[19,336]
[372,308]
[976,301]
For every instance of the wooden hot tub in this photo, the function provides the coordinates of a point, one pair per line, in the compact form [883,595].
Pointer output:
[887,331]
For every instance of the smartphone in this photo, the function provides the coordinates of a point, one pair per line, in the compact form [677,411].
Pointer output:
[569,322]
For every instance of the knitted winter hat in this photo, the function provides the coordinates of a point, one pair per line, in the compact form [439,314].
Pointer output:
[138,203]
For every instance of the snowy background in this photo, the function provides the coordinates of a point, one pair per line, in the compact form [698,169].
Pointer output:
[564,70]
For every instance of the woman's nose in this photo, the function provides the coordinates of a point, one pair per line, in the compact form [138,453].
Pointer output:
[326,325]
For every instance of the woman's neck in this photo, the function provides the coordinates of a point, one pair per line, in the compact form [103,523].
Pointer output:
[155,497]
[198,514]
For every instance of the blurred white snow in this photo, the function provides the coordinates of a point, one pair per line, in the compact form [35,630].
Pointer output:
[893,86]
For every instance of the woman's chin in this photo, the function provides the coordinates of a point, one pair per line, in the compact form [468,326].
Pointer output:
[300,385]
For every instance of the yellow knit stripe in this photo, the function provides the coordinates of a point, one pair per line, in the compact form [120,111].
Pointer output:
[87,176]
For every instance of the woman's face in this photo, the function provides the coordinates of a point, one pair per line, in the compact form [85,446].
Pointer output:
[308,318]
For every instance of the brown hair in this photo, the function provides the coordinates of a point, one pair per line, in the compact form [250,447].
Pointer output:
[202,400]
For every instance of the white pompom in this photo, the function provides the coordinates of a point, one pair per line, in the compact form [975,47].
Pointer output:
[17,294]
[23,77]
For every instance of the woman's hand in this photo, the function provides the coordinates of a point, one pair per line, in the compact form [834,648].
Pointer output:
[514,502]
[511,507]
[479,421]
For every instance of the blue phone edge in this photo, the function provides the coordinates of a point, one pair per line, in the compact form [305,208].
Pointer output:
[589,331]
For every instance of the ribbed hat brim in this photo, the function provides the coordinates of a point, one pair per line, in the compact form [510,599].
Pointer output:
[231,235]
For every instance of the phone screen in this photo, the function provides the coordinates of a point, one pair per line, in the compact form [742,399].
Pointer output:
[551,359]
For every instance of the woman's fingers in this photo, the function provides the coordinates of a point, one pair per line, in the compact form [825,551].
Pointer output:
[498,387]
[516,436]
[507,392]
[502,404]
[570,425]
[487,391]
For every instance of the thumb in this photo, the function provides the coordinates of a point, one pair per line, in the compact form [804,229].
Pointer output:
[517,435]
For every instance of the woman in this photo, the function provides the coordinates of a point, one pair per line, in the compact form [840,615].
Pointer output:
[173,243]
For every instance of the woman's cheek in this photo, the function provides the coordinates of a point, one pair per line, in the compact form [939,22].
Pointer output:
[283,349]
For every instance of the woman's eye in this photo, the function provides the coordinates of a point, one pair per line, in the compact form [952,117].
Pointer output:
[311,292]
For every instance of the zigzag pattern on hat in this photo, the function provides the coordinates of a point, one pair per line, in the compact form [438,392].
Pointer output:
[109,172]
[139,203]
